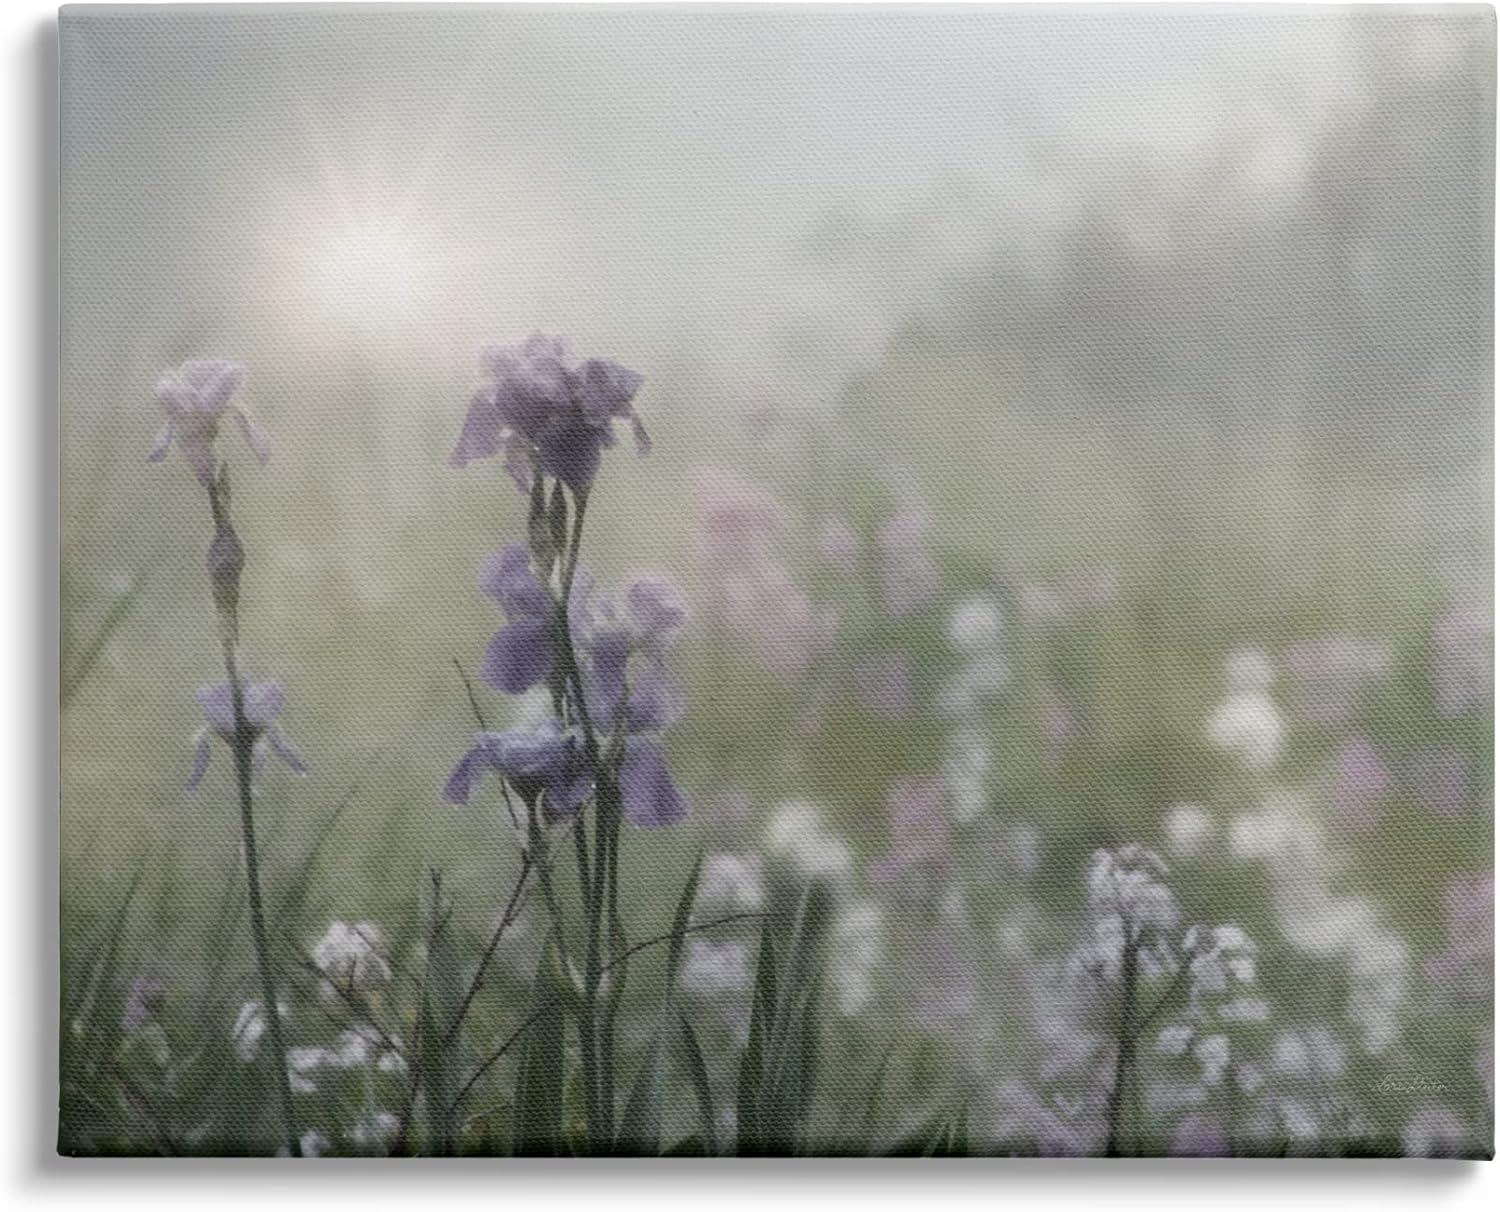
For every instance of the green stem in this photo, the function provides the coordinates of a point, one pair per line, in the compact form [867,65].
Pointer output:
[590,872]
[244,762]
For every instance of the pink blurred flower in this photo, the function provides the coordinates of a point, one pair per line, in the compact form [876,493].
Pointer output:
[1469,955]
[1463,666]
[919,833]
[752,592]
[1361,779]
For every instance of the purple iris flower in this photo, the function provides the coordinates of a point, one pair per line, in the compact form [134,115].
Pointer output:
[609,633]
[263,703]
[523,653]
[195,397]
[536,759]
[631,696]
[544,410]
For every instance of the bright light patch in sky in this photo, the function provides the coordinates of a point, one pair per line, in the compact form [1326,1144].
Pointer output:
[365,275]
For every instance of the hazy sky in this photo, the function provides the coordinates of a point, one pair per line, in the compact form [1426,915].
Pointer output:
[639,175]
[1172,216]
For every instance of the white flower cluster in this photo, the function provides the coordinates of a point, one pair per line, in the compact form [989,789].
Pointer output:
[356,1047]
[856,943]
[1220,966]
[350,957]
[1246,723]
[975,632]
[714,968]
[720,967]
[1128,883]
[1315,917]
[1189,829]
[967,763]
[731,883]
[249,1026]
[1129,907]
[798,836]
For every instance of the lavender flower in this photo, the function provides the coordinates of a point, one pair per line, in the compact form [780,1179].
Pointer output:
[541,758]
[753,593]
[634,711]
[550,758]
[1196,1136]
[627,712]
[263,703]
[195,397]
[548,413]
[523,653]
[1361,779]
[1467,961]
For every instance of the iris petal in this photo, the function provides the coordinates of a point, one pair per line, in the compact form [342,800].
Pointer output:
[519,656]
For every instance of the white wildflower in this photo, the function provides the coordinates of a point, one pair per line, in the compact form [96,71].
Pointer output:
[714,969]
[1248,727]
[1212,1052]
[1173,1040]
[731,883]
[349,955]
[798,836]
[856,943]
[1188,829]
[974,624]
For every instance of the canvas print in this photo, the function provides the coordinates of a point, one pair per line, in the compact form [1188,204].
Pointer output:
[764,581]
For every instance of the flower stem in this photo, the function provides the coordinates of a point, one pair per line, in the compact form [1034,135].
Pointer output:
[244,760]
[590,865]
[1125,1048]
[226,597]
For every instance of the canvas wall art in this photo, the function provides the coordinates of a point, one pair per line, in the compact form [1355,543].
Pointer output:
[770,580]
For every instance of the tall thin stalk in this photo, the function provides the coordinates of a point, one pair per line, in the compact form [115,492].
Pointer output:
[591,860]
[226,596]
[1124,1047]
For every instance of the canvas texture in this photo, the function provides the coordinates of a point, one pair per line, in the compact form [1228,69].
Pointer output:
[772,581]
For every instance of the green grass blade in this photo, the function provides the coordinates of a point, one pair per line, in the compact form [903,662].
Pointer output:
[537,1129]
[439,1060]
[640,1127]
[698,1072]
